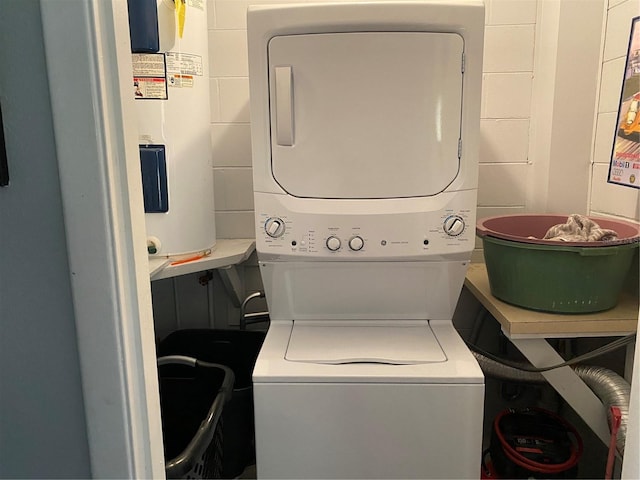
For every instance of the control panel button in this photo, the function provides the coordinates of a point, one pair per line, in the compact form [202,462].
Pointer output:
[356,243]
[333,243]
[454,225]
[274,227]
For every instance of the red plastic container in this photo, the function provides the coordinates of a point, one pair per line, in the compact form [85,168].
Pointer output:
[520,228]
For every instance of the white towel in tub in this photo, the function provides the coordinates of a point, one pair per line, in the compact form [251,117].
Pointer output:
[579,228]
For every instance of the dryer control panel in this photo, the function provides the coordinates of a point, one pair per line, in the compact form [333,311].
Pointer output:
[408,228]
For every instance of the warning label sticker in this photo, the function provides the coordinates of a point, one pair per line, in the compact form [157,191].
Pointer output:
[199,4]
[149,76]
[181,81]
[148,65]
[150,88]
[184,63]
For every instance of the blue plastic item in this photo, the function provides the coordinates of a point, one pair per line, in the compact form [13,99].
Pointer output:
[143,26]
[154,178]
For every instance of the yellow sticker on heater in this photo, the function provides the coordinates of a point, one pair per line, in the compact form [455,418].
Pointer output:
[181,10]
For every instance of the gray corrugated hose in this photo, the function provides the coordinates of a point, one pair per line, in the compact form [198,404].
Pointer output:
[608,386]
[613,391]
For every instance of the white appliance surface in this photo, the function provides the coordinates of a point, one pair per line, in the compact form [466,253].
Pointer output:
[367,431]
[460,367]
[364,290]
[365,114]
[181,123]
[365,128]
[342,342]
[437,227]
[373,115]
[368,420]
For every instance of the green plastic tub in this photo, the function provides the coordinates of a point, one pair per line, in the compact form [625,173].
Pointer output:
[555,276]
[557,279]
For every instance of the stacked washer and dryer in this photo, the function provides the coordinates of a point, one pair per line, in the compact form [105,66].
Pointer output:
[365,125]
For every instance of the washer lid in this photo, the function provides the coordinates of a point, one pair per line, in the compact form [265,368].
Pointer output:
[401,344]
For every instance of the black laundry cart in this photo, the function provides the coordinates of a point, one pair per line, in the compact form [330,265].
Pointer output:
[238,351]
[193,395]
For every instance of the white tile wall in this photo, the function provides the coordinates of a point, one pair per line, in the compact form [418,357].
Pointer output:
[506,95]
[504,140]
[610,85]
[618,27]
[504,185]
[606,198]
[214,99]
[612,199]
[235,224]
[506,107]
[230,129]
[233,188]
[234,100]
[231,14]
[228,53]
[231,144]
[518,57]
[605,134]
[511,12]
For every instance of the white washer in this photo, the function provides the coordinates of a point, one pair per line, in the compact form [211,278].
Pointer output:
[365,122]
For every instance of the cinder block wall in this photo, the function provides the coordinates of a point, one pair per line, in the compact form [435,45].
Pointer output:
[609,199]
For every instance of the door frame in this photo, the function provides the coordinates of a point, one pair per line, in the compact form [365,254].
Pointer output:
[88,57]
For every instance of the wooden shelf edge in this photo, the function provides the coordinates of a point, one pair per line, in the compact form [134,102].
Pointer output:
[226,252]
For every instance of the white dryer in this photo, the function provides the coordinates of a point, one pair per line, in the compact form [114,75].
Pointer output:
[364,123]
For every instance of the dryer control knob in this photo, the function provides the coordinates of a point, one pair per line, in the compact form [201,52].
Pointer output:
[333,243]
[274,227]
[356,243]
[454,225]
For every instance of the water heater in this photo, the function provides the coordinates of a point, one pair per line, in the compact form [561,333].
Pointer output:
[169,42]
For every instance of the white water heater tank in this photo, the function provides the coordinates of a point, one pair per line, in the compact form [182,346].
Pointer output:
[171,87]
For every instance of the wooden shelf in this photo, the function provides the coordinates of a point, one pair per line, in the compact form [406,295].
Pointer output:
[529,330]
[225,254]
[517,322]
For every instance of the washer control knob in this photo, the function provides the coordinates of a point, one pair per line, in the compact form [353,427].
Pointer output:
[333,243]
[274,227]
[454,225]
[356,243]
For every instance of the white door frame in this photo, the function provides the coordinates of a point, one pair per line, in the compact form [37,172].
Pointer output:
[91,86]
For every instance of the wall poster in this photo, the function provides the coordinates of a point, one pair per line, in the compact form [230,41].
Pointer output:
[624,168]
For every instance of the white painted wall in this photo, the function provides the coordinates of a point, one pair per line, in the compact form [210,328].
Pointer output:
[568,64]
[509,54]
[615,200]
[611,199]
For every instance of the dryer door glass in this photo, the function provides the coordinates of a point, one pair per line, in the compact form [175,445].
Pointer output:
[365,114]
